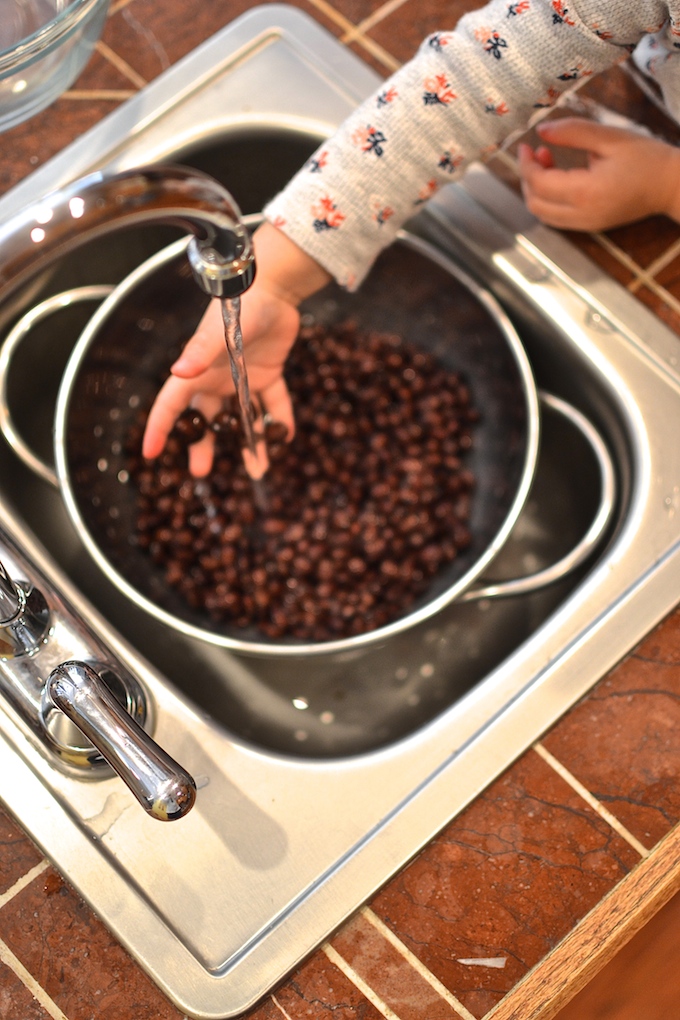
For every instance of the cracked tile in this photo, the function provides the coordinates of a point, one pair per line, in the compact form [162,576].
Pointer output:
[510,877]
[409,990]
[623,740]
[69,952]
[316,991]
[16,1001]
[17,853]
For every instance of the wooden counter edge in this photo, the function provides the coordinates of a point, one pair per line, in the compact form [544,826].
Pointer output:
[545,989]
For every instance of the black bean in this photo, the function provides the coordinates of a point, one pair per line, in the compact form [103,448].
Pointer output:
[190,426]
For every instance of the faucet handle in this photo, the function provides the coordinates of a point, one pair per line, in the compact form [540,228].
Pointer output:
[24,617]
[163,788]
[10,598]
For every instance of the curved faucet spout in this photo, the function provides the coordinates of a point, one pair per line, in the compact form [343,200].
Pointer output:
[221,257]
[163,788]
[220,251]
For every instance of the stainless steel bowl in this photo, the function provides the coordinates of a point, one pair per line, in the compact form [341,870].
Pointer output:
[414,291]
[137,332]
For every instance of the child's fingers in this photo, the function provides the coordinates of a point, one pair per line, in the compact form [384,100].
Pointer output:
[206,344]
[173,397]
[277,402]
[201,453]
[541,156]
[549,183]
[580,133]
[545,157]
[552,194]
[562,215]
[201,456]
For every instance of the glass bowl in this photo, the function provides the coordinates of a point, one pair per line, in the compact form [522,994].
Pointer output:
[44,44]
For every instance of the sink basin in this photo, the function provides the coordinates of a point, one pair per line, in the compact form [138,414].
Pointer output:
[318,778]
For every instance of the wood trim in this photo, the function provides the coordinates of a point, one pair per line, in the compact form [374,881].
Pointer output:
[549,986]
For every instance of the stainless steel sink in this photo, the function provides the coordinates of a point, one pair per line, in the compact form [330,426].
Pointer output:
[319,778]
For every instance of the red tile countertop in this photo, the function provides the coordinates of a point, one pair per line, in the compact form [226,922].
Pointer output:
[524,895]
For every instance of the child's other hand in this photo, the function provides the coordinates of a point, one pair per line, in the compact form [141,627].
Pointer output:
[628,177]
[201,376]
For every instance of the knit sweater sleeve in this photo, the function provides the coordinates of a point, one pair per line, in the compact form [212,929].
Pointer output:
[461,95]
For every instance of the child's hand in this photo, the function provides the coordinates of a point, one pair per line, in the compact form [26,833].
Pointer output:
[628,177]
[201,376]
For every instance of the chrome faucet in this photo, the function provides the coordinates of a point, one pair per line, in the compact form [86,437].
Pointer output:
[163,788]
[50,665]
[220,252]
[24,617]
[87,716]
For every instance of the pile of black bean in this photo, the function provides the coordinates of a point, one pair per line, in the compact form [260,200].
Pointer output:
[367,503]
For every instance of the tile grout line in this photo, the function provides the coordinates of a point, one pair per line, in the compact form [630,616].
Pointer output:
[417,964]
[22,882]
[334,15]
[353,33]
[118,6]
[349,972]
[375,49]
[80,95]
[379,15]
[621,256]
[280,1007]
[662,294]
[643,276]
[592,801]
[37,991]
[120,64]
[661,261]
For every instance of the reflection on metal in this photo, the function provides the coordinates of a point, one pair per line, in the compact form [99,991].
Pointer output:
[24,617]
[164,789]
[19,332]
[589,542]
[220,252]
[89,713]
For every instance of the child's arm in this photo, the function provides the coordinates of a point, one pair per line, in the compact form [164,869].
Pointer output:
[628,176]
[456,101]
[463,93]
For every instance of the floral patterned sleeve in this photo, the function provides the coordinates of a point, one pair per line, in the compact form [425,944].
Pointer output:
[462,94]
